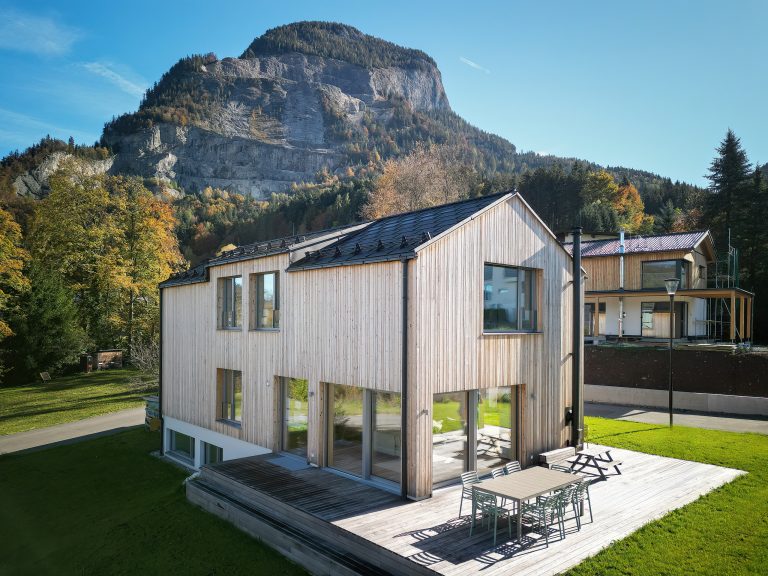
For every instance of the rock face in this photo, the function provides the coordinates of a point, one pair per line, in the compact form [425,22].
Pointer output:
[271,120]
[34,183]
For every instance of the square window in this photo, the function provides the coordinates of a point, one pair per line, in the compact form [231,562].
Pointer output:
[230,299]
[265,301]
[510,299]
[229,395]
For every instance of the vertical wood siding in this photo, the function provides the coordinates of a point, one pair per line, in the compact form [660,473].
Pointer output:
[452,354]
[343,325]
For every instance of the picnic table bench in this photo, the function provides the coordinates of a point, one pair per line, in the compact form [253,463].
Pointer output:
[599,460]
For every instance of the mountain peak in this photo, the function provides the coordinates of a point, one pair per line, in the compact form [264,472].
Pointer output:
[338,41]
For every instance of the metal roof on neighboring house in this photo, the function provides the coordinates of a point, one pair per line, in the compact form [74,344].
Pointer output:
[640,244]
[394,237]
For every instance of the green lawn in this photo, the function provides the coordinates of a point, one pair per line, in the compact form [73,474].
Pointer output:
[66,399]
[724,532]
[106,506]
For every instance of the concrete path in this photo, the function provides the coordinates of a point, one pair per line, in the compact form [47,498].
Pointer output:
[72,431]
[691,419]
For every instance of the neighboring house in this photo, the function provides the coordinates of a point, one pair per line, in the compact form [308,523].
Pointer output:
[298,346]
[710,308]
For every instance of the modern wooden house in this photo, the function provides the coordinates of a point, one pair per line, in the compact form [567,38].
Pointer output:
[399,352]
[625,291]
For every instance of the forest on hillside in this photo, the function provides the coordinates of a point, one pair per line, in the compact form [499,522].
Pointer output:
[79,269]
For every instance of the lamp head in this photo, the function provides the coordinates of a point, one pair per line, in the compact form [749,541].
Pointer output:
[672,284]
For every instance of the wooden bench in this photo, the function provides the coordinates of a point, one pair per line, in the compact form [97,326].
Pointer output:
[558,456]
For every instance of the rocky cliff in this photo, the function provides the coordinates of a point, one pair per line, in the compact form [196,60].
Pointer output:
[275,116]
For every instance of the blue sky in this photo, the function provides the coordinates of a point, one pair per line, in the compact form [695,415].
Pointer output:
[651,85]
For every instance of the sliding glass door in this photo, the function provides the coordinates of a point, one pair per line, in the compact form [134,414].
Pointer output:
[364,436]
[295,415]
[449,436]
[475,430]
[385,446]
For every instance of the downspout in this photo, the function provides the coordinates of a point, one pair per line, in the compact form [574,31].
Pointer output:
[621,285]
[404,391]
[577,420]
[160,380]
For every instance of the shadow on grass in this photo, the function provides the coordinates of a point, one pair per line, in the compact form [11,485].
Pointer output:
[82,404]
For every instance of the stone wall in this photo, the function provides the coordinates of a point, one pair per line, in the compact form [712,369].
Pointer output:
[703,371]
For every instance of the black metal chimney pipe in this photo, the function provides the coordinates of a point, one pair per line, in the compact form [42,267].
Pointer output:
[577,421]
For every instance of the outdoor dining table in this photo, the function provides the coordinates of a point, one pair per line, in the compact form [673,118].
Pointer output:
[524,485]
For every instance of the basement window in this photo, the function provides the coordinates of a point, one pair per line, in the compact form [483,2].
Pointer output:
[182,447]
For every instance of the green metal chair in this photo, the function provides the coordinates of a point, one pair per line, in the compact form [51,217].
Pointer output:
[545,511]
[561,468]
[580,496]
[467,479]
[512,467]
[497,473]
[486,504]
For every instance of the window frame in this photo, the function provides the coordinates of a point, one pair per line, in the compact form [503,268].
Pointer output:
[535,278]
[682,273]
[186,457]
[226,292]
[226,397]
[256,287]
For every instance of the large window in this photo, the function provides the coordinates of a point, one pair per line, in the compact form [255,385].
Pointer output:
[510,299]
[265,301]
[474,430]
[229,395]
[230,297]
[655,272]
[364,435]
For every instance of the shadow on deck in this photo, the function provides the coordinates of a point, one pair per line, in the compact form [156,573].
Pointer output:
[334,525]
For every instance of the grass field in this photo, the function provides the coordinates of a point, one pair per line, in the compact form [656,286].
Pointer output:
[107,506]
[724,532]
[66,399]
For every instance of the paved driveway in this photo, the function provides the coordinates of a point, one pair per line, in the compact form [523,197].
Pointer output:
[72,431]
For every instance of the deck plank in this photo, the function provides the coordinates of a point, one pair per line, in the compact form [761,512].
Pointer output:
[430,533]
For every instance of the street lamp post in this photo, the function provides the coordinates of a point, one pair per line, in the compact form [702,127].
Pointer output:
[671,285]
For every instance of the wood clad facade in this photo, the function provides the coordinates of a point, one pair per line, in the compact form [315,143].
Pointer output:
[344,325]
[603,271]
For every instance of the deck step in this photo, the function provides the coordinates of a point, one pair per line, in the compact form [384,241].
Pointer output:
[318,545]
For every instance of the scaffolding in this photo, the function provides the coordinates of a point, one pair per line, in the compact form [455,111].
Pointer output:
[722,273]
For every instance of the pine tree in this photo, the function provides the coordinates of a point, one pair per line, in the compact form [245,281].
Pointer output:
[45,323]
[729,179]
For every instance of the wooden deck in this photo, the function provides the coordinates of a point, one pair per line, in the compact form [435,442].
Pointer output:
[431,536]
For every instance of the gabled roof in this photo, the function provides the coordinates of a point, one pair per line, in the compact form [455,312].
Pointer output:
[640,244]
[199,273]
[394,237]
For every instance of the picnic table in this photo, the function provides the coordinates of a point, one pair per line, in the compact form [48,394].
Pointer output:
[595,461]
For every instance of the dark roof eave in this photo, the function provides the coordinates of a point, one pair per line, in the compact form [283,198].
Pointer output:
[372,260]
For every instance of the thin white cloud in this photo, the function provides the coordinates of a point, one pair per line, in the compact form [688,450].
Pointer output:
[106,72]
[19,130]
[41,35]
[474,65]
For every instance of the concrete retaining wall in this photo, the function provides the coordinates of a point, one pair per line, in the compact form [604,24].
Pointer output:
[699,402]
